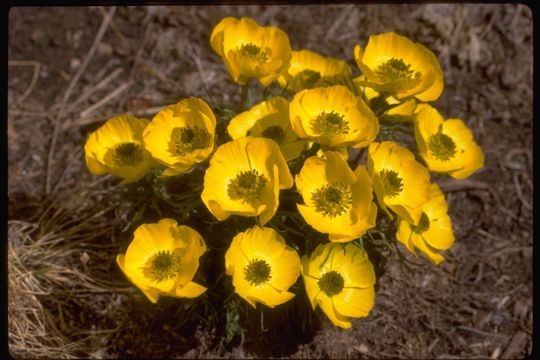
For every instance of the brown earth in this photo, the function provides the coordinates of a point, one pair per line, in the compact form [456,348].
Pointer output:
[71,68]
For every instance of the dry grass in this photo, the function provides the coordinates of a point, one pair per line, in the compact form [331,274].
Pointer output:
[55,262]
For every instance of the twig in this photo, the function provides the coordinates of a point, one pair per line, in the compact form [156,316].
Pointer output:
[35,77]
[106,99]
[197,59]
[337,24]
[139,113]
[519,192]
[26,113]
[68,92]
[515,18]
[94,88]
[140,50]
[489,25]
[453,185]
[97,41]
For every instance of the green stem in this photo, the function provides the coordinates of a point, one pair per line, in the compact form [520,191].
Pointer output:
[244,98]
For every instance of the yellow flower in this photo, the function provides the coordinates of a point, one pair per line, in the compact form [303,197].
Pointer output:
[395,65]
[181,135]
[250,50]
[399,181]
[244,178]
[338,201]
[447,146]
[162,260]
[117,148]
[309,69]
[432,232]
[340,279]
[333,116]
[397,111]
[263,267]
[269,119]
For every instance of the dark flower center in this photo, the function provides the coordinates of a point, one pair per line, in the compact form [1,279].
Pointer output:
[331,283]
[392,183]
[129,154]
[442,146]
[332,199]
[274,132]
[257,272]
[185,140]
[395,70]
[248,186]
[330,123]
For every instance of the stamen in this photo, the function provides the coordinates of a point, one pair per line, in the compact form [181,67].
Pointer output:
[328,124]
[254,52]
[332,199]
[163,265]
[308,78]
[392,183]
[247,186]
[274,132]
[129,154]
[442,146]
[423,224]
[185,140]
[257,272]
[394,70]
[331,283]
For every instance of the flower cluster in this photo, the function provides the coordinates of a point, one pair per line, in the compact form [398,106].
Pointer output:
[292,162]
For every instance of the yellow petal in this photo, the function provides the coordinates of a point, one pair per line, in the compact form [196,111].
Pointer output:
[263,154]
[235,257]
[285,269]
[312,176]
[354,302]
[353,264]
[430,254]
[312,288]
[190,290]
[337,169]
[216,38]
[265,243]
[338,225]
[151,294]
[270,296]
[319,261]
[331,312]
[95,166]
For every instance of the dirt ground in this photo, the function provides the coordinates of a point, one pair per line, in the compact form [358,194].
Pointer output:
[72,68]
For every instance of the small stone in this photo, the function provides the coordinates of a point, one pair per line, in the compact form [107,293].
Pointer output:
[37,35]
[362,348]
[75,63]
[104,49]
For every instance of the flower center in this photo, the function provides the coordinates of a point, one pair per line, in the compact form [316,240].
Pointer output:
[332,199]
[247,186]
[274,132]
[442,146]
[394,70]
[308,77]
[423,224]
[392,183]
[257,272]
[185,140]
[129,154]
[328,124]
[254,52]
[331,283]
[163,265]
